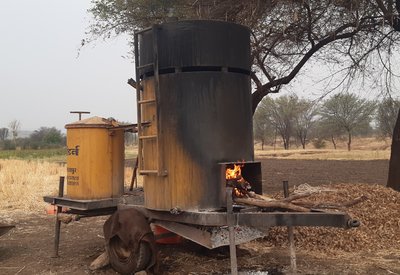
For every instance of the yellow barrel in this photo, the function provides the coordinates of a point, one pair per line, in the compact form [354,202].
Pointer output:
[95,159]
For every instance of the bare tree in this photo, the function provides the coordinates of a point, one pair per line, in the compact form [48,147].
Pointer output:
[263,129]
[347,112]
[327,129]
[281,114]
[304,120]
[14,126]
[386,115]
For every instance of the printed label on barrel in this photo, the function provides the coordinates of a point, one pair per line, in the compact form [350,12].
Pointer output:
[72,178]
[72,172]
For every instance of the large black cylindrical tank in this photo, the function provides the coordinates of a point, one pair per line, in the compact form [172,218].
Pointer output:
[200,43]
[202,113]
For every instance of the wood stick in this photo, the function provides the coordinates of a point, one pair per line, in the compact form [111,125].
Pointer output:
[134,179]
[272,204]
[298,196]
[260,197]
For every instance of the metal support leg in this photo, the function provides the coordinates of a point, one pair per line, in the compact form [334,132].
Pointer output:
[58,222]
[230,223]
[292,251]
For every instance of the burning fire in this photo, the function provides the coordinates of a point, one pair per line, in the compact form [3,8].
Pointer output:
[235,173]
[235,178]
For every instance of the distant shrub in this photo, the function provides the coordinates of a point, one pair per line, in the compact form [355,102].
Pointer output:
[7,145]
[319,143]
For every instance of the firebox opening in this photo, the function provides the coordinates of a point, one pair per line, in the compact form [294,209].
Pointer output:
[243,175]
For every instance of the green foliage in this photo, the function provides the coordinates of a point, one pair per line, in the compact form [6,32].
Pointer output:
[58,154]
[45,137]
[347,112]
[7,145]
[287,116]
[263,129]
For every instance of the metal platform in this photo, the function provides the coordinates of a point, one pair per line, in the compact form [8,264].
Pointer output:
[253,219]
[4,228]
[82,204]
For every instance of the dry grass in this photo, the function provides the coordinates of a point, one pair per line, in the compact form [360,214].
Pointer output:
[23,183]
[324,154]
[362,149]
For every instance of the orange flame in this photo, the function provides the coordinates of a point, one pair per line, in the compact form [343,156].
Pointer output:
[235,173]
[237,193]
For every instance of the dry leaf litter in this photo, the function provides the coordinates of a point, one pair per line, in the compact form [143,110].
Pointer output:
[379,216]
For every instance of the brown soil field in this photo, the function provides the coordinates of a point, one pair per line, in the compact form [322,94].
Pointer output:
[28,248]
[317,172]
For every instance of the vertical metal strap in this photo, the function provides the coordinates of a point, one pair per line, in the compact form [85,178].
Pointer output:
[160,165]
[138,97]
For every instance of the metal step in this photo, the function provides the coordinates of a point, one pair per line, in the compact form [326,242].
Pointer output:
[146,101]
[145,66]
[148,137]
[148,172]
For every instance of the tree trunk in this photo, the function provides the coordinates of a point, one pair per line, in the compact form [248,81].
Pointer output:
[394,163]
[285,144]
[303,143]
[333,141]
[262,145]
[349,142]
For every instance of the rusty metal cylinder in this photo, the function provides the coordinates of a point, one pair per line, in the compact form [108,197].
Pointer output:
[203,109]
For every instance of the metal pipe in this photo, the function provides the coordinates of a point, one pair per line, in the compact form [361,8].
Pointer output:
[353,223]
[79,113]
[230,223]
[285,188]
[292,251]
[58,222]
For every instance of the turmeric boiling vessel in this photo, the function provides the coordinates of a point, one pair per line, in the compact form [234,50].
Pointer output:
[194,111]
[95,159]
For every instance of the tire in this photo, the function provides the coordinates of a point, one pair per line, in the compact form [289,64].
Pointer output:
[125,260]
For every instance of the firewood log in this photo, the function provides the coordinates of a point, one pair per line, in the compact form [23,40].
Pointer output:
[253,195]
[271,204]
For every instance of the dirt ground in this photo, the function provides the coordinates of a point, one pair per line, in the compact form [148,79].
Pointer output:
[317,172]
[28,248]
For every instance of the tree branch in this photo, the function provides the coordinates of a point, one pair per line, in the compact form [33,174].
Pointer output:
[266,88]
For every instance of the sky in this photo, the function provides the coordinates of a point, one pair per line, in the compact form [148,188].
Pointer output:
[42,77]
